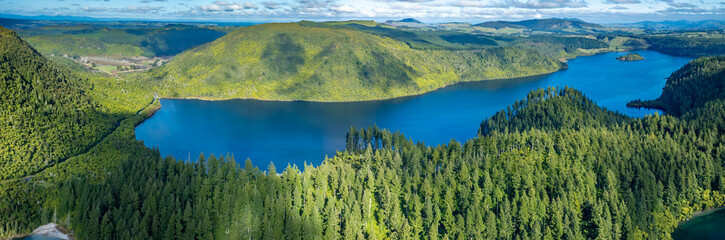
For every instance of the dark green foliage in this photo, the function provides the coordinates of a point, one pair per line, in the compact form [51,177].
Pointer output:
[21,207]
[283,55]
[386,71]
[469,39]
[690,87]
[550,110]
[570,44]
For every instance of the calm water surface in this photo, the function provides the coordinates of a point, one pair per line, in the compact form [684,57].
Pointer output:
[299,132]
[706,227]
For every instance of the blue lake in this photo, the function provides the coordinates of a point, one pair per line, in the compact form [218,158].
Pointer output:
[299,132]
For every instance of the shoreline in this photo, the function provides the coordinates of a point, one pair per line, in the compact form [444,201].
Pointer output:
[51,230]
[704,213]
[564,67]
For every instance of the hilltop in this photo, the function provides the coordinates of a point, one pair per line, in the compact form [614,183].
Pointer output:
[290,61]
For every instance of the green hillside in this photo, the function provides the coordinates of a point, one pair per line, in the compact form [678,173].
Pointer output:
[45,113]
[294,62]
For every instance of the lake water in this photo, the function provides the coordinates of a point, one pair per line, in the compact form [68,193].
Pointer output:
[299,132]
[706,227]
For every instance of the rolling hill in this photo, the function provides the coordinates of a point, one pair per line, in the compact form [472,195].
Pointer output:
[294,62]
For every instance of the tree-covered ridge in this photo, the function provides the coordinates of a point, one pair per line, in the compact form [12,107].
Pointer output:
[637,180]
[294,62]
[551,110]
[690,87]
[630,57]
[46,114]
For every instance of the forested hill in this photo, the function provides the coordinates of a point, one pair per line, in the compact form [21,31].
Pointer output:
[554,166]
[690,87]
[295,62]
[552,110]
[45,112]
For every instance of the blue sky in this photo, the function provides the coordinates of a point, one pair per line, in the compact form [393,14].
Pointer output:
[600,11]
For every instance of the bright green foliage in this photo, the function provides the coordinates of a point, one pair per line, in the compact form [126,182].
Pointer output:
[45,112]
[690,87]
[294,62]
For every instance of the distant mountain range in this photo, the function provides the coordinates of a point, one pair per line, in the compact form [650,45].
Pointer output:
[545,25]
[552,24]
[680,25]
[408,22]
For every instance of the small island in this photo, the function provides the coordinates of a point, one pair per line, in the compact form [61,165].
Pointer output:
[631,57]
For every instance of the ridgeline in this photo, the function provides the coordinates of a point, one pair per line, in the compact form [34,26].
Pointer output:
[294,62]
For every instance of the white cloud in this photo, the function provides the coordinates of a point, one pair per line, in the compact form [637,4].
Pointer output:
[623,1]
[343,9]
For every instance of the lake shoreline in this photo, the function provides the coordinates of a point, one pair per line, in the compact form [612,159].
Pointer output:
[704,212]
[52,230]
[297,131]
[701,224]
[564,67]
